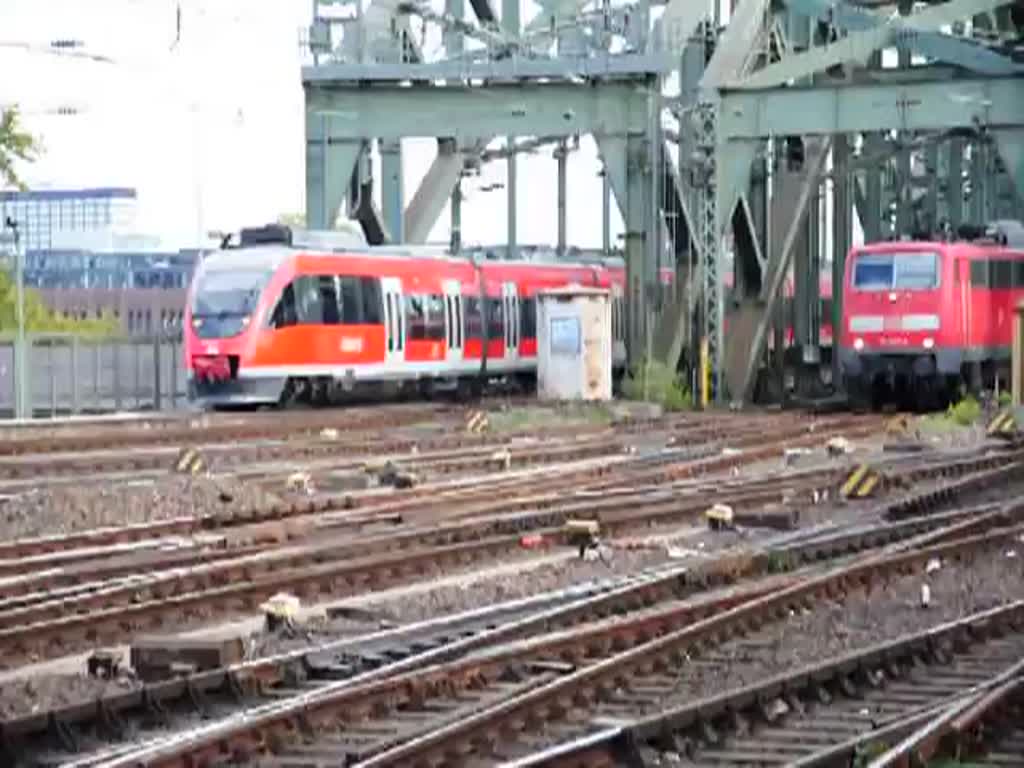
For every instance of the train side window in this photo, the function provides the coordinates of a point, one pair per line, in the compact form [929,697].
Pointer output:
[980,273]
[307,294]
[474,320]
[495,318]
[329,300]
[372,313]
[1002,274]
[528,318]
[284,312]
[415,318]
[435,317]
[1018,274]
[351,300]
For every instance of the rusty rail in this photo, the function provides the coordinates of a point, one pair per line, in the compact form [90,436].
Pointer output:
[674,634]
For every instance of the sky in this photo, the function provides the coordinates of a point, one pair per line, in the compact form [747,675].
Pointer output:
[209,128]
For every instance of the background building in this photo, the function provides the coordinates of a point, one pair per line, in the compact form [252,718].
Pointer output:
[40,213]
[82,256]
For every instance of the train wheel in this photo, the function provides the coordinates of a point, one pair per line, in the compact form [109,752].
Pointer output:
[858,395]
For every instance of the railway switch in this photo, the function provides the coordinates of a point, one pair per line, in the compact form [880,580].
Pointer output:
[861,483]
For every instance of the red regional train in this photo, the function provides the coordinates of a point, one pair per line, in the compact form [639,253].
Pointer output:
[274,320]
[922,318]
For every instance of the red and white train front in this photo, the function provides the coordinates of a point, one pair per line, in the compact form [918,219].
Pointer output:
[272,322]
[925,316]
[893,330]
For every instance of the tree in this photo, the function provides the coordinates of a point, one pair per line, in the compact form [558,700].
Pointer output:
[39,318]
[15,144]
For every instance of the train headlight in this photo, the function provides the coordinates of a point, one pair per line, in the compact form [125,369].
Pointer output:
[858,344]
[929,343]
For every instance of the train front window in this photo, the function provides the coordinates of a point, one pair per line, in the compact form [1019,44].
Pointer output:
[228,294]
[896,271]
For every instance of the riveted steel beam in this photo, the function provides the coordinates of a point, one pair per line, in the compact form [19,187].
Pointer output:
[920,106]
[461,112]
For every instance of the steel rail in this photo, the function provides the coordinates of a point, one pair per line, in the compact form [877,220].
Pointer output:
[250,731]
[672,582]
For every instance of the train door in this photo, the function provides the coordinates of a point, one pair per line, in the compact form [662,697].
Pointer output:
[510,300]
[394,320]
[454,325]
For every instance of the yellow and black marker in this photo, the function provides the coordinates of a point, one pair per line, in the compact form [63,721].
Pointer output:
[477,422]
[189,462]
[1003,425]
[861,483]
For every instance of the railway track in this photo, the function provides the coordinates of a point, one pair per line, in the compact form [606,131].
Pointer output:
[460,710]
[914,697]
[59,610]
[209,428]
[692,461]
[641,597]
[437,448]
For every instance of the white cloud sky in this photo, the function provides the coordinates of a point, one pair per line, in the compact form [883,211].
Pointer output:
[211,131]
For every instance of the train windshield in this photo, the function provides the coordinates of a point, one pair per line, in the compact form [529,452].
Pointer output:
[896,271]
[225,294]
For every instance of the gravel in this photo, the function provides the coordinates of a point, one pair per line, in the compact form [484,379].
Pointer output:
[857,622]
[60,510]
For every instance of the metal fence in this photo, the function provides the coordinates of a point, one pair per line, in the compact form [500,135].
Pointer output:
[70,374]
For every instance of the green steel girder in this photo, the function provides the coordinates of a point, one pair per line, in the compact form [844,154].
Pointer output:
[921,106]
[858,46]
[1010,143]
[329,165]
[556,109]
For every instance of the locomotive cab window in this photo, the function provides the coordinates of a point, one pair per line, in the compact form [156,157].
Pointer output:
[896,271]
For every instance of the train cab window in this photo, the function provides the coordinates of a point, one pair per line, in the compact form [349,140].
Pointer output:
[896,271]
[528,318]
[495,319]
[351,300]
[284,313]
[373,314]
[474,318]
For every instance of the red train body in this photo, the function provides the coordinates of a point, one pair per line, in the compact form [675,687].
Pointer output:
[923,316]
[269,323]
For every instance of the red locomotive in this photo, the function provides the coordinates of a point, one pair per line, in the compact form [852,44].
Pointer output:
[274,320]
[920,318]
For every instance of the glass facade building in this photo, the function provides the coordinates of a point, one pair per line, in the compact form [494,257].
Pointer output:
[42,212]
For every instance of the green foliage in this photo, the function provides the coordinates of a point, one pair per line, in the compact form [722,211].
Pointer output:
[1005,399]
[657,383]
[965,412]
[297,220]
[41,319]
[15,144]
